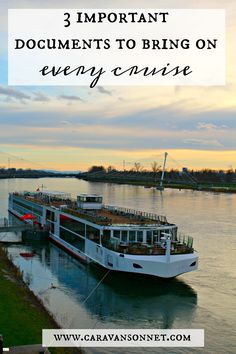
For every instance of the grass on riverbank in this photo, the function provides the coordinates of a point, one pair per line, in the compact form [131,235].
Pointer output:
[22,316]
[207,187]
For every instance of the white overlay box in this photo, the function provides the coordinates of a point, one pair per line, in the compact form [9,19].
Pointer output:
[123,337]
[92,53]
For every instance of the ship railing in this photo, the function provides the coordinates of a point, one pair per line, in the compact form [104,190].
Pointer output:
[46,199]
[185,240]
[4,222]
[137,248]
[136,214]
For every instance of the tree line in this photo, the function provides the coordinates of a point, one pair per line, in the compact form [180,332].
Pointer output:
[155,168]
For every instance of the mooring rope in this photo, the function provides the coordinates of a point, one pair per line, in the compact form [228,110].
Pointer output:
[92,291]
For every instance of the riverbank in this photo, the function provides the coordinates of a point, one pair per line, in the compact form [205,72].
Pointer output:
[148,184]
[22,315]
[35,174]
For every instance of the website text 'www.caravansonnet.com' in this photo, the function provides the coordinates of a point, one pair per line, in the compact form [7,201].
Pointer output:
[124,338]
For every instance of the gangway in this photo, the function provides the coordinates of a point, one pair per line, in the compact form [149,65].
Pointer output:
[5,226]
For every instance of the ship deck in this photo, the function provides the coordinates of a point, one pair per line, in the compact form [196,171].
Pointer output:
[106,216]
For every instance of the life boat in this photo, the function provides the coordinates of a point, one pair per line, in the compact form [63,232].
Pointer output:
[28,216]
[28,254]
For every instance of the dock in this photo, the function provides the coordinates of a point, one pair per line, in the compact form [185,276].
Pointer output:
[16,228]
[5,226]
[12,233]
[29,349]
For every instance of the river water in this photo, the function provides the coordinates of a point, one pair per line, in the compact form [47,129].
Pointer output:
[204,299]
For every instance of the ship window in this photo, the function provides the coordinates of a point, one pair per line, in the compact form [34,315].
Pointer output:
[93,234]
[116,233]
[97,199]
[132,236]
[156,236]
[52,227]
[106,238]
[72,225]
[91,199]
[174,234]
[72,239]
[140,236]
[50,215]
[124,235]
[149,237]
[107,234]
[82,199]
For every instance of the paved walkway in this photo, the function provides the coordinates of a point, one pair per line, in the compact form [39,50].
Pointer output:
[28,349]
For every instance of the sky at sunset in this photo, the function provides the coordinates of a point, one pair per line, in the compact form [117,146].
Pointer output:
[71,128]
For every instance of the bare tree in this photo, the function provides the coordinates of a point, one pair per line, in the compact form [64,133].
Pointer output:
[110,169]
[138,167]
[155,167]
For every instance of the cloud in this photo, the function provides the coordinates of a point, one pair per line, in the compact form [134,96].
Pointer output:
[70,98]
[210,126]
[66,130]
[203,142]
[65,122]
[40,97]
[12,93]
[160,128]
[104,91]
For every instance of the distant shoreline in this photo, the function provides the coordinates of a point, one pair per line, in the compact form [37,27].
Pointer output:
[224,188]
[209,187]
[36,176]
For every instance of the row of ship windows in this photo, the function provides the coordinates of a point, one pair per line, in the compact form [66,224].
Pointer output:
[93,234]
[72,239]
[79,242]
[136,236]
[23,211]
[123,235]
[29,208]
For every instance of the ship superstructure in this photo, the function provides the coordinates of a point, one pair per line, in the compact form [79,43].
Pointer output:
[119,239]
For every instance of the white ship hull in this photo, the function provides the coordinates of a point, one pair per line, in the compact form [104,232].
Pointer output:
[164,266]
[149,265]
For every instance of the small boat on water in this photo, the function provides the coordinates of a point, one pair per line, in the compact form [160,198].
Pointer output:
[28,254]
[118,239]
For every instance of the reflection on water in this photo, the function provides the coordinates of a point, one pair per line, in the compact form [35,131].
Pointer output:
[119,300]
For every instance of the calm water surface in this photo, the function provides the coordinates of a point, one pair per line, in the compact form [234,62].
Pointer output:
[202,299]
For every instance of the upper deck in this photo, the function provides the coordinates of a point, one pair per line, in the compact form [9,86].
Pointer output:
[106,215]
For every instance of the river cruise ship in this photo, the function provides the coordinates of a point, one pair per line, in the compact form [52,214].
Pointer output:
[119,239]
